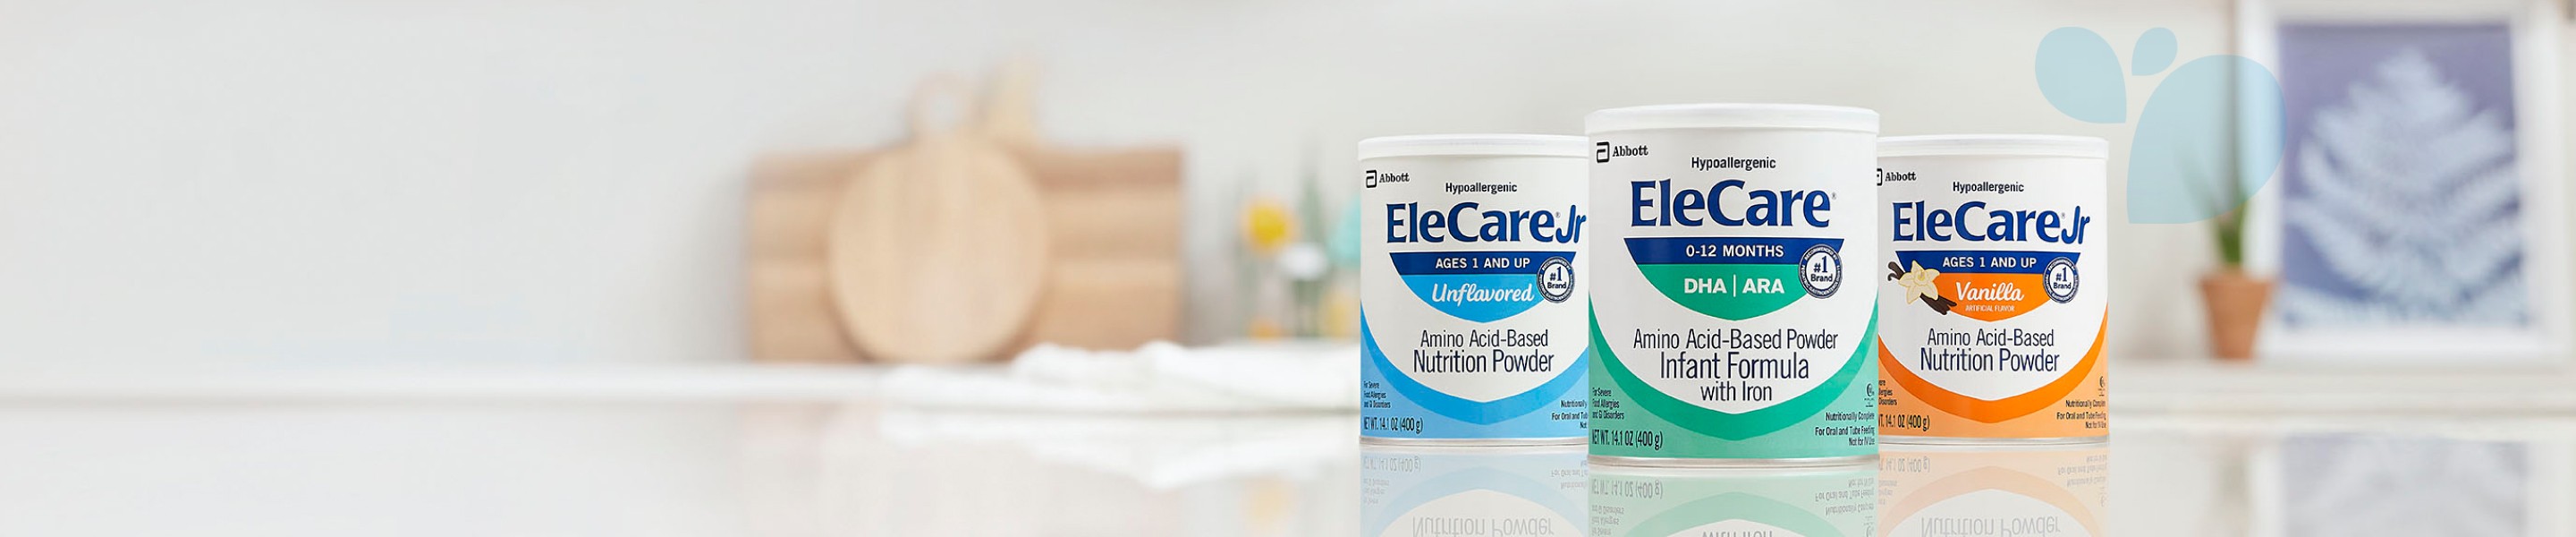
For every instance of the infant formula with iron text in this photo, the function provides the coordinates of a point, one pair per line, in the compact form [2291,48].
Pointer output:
[1993,298]
[1730,326]
[1471,301]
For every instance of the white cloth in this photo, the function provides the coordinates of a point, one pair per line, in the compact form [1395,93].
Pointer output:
[1158,377]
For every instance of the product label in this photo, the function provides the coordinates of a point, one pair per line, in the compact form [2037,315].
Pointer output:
[1470,293]
[1993,298]
[1806,502]
[1488,492]
[1726,315]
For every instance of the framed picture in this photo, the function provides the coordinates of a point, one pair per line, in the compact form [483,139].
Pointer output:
[2417,218]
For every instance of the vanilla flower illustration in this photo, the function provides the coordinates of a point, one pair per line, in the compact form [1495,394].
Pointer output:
[1919,284]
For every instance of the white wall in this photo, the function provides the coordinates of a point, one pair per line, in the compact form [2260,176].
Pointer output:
[299,181]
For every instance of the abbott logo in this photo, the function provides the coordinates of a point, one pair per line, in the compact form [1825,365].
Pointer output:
[1602,151]
[1370,178]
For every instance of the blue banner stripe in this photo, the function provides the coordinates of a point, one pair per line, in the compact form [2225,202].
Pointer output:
[1724,250]
[1981,261]
[1413,263]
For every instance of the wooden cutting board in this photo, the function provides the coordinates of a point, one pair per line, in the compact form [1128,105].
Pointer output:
[1111,272]
[938,250]
[1115,220]
[792,314]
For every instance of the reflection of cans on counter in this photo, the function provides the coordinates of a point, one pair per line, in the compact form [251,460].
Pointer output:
[1426,491]
[1994,490]
[1993,297]
[1471,305]
[1731,318]
[1828,501]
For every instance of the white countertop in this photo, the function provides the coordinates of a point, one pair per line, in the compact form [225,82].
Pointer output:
[765,451]
[2191,387]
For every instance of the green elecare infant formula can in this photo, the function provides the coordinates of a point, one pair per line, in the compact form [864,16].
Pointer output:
[1732,316]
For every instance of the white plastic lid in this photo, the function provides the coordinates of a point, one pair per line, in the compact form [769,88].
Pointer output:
[1530,145]
[1732,116]
[2017,145]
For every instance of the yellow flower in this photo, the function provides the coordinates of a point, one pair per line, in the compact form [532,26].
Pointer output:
[1268,225]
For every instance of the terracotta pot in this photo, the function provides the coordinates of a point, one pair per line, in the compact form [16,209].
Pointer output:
[2235,303]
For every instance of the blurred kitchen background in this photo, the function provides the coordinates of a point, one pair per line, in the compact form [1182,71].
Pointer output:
[279,183]
[245,221]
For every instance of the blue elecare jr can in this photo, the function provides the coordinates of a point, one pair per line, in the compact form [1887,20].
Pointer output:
[1472,311]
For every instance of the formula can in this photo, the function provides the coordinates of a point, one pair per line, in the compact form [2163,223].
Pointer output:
[1994,490]
[1995,288]
[1471,304]
[1445,491]
[1727,318]
[1832,501]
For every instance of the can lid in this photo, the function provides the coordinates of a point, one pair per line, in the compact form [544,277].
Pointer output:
[1530,145]
[2026,145]
[1732,116]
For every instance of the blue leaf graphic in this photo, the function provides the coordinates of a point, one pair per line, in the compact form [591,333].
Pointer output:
[2081,76]
[2155,52]
[2192,159]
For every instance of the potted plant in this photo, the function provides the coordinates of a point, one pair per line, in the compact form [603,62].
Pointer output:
[2234,299]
